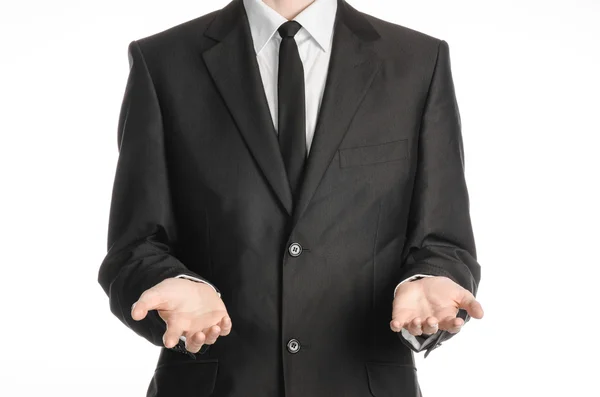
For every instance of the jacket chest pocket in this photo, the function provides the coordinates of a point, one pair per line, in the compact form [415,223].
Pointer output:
[373,154]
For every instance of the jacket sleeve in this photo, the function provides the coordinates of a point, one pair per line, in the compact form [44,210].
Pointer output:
[141,229]
[440,238]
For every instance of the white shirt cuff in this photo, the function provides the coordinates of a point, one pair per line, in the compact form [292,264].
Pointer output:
[410,279]
[415,342]
[198,280]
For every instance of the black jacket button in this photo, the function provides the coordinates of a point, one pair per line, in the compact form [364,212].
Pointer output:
[293,346]
[295,249]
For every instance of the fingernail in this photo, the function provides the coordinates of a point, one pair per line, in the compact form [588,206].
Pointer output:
[133,306]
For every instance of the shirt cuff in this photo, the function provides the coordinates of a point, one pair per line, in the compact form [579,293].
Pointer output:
[198,280]
[415,342]
[416,276]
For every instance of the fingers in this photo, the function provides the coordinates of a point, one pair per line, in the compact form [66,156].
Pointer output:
[430,325]
[470,304]
[452,324]
[208,336]
[151,299]
[396,325]
[174,331]
[225,325]
[212,334]
[194,342]
[400,318]
[413,322]
[415,326]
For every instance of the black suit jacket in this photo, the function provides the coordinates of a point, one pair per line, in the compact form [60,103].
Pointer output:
[201,189]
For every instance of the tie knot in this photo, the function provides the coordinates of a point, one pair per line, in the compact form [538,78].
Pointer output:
[289,29]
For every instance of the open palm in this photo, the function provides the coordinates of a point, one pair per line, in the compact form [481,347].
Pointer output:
[431,303]
[189,309]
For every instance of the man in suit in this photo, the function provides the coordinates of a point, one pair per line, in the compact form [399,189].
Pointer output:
[289,214]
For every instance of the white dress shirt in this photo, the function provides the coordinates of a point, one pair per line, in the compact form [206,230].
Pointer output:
[314,42]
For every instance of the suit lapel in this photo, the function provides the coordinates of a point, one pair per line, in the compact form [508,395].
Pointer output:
[352,67]
[234,69]
[232,65]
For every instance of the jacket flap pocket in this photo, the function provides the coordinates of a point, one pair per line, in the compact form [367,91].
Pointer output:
[185,379]
[380,153]
[392,380]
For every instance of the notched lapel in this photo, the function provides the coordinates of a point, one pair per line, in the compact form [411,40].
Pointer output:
[232,65]
[352,67]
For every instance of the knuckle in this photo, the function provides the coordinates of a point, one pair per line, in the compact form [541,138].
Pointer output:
[210,340]
[198,338]
[149,294]
[173,324]
[193,348]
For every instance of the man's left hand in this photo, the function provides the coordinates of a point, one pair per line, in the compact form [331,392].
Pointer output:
[424,306]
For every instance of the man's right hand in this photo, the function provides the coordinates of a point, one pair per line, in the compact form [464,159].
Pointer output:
[189,308]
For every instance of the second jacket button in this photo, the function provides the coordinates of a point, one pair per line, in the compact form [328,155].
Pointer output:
[295,249]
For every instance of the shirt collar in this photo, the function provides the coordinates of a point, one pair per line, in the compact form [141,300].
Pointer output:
[317,19]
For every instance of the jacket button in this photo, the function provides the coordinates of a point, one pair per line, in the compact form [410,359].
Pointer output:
[293,346]
[295,249]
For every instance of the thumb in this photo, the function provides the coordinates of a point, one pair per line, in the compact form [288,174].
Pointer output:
[151,299]
[470,304]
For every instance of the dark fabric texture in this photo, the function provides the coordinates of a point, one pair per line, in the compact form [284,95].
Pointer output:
[201,188]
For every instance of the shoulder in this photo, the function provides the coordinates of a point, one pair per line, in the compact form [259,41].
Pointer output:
[185,35]
[400,40]
[396,32]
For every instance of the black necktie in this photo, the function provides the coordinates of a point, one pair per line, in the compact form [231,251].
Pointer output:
[291,106]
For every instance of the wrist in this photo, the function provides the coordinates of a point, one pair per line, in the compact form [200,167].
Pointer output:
[205,287]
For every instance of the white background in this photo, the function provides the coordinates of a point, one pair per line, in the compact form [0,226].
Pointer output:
[527,76]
